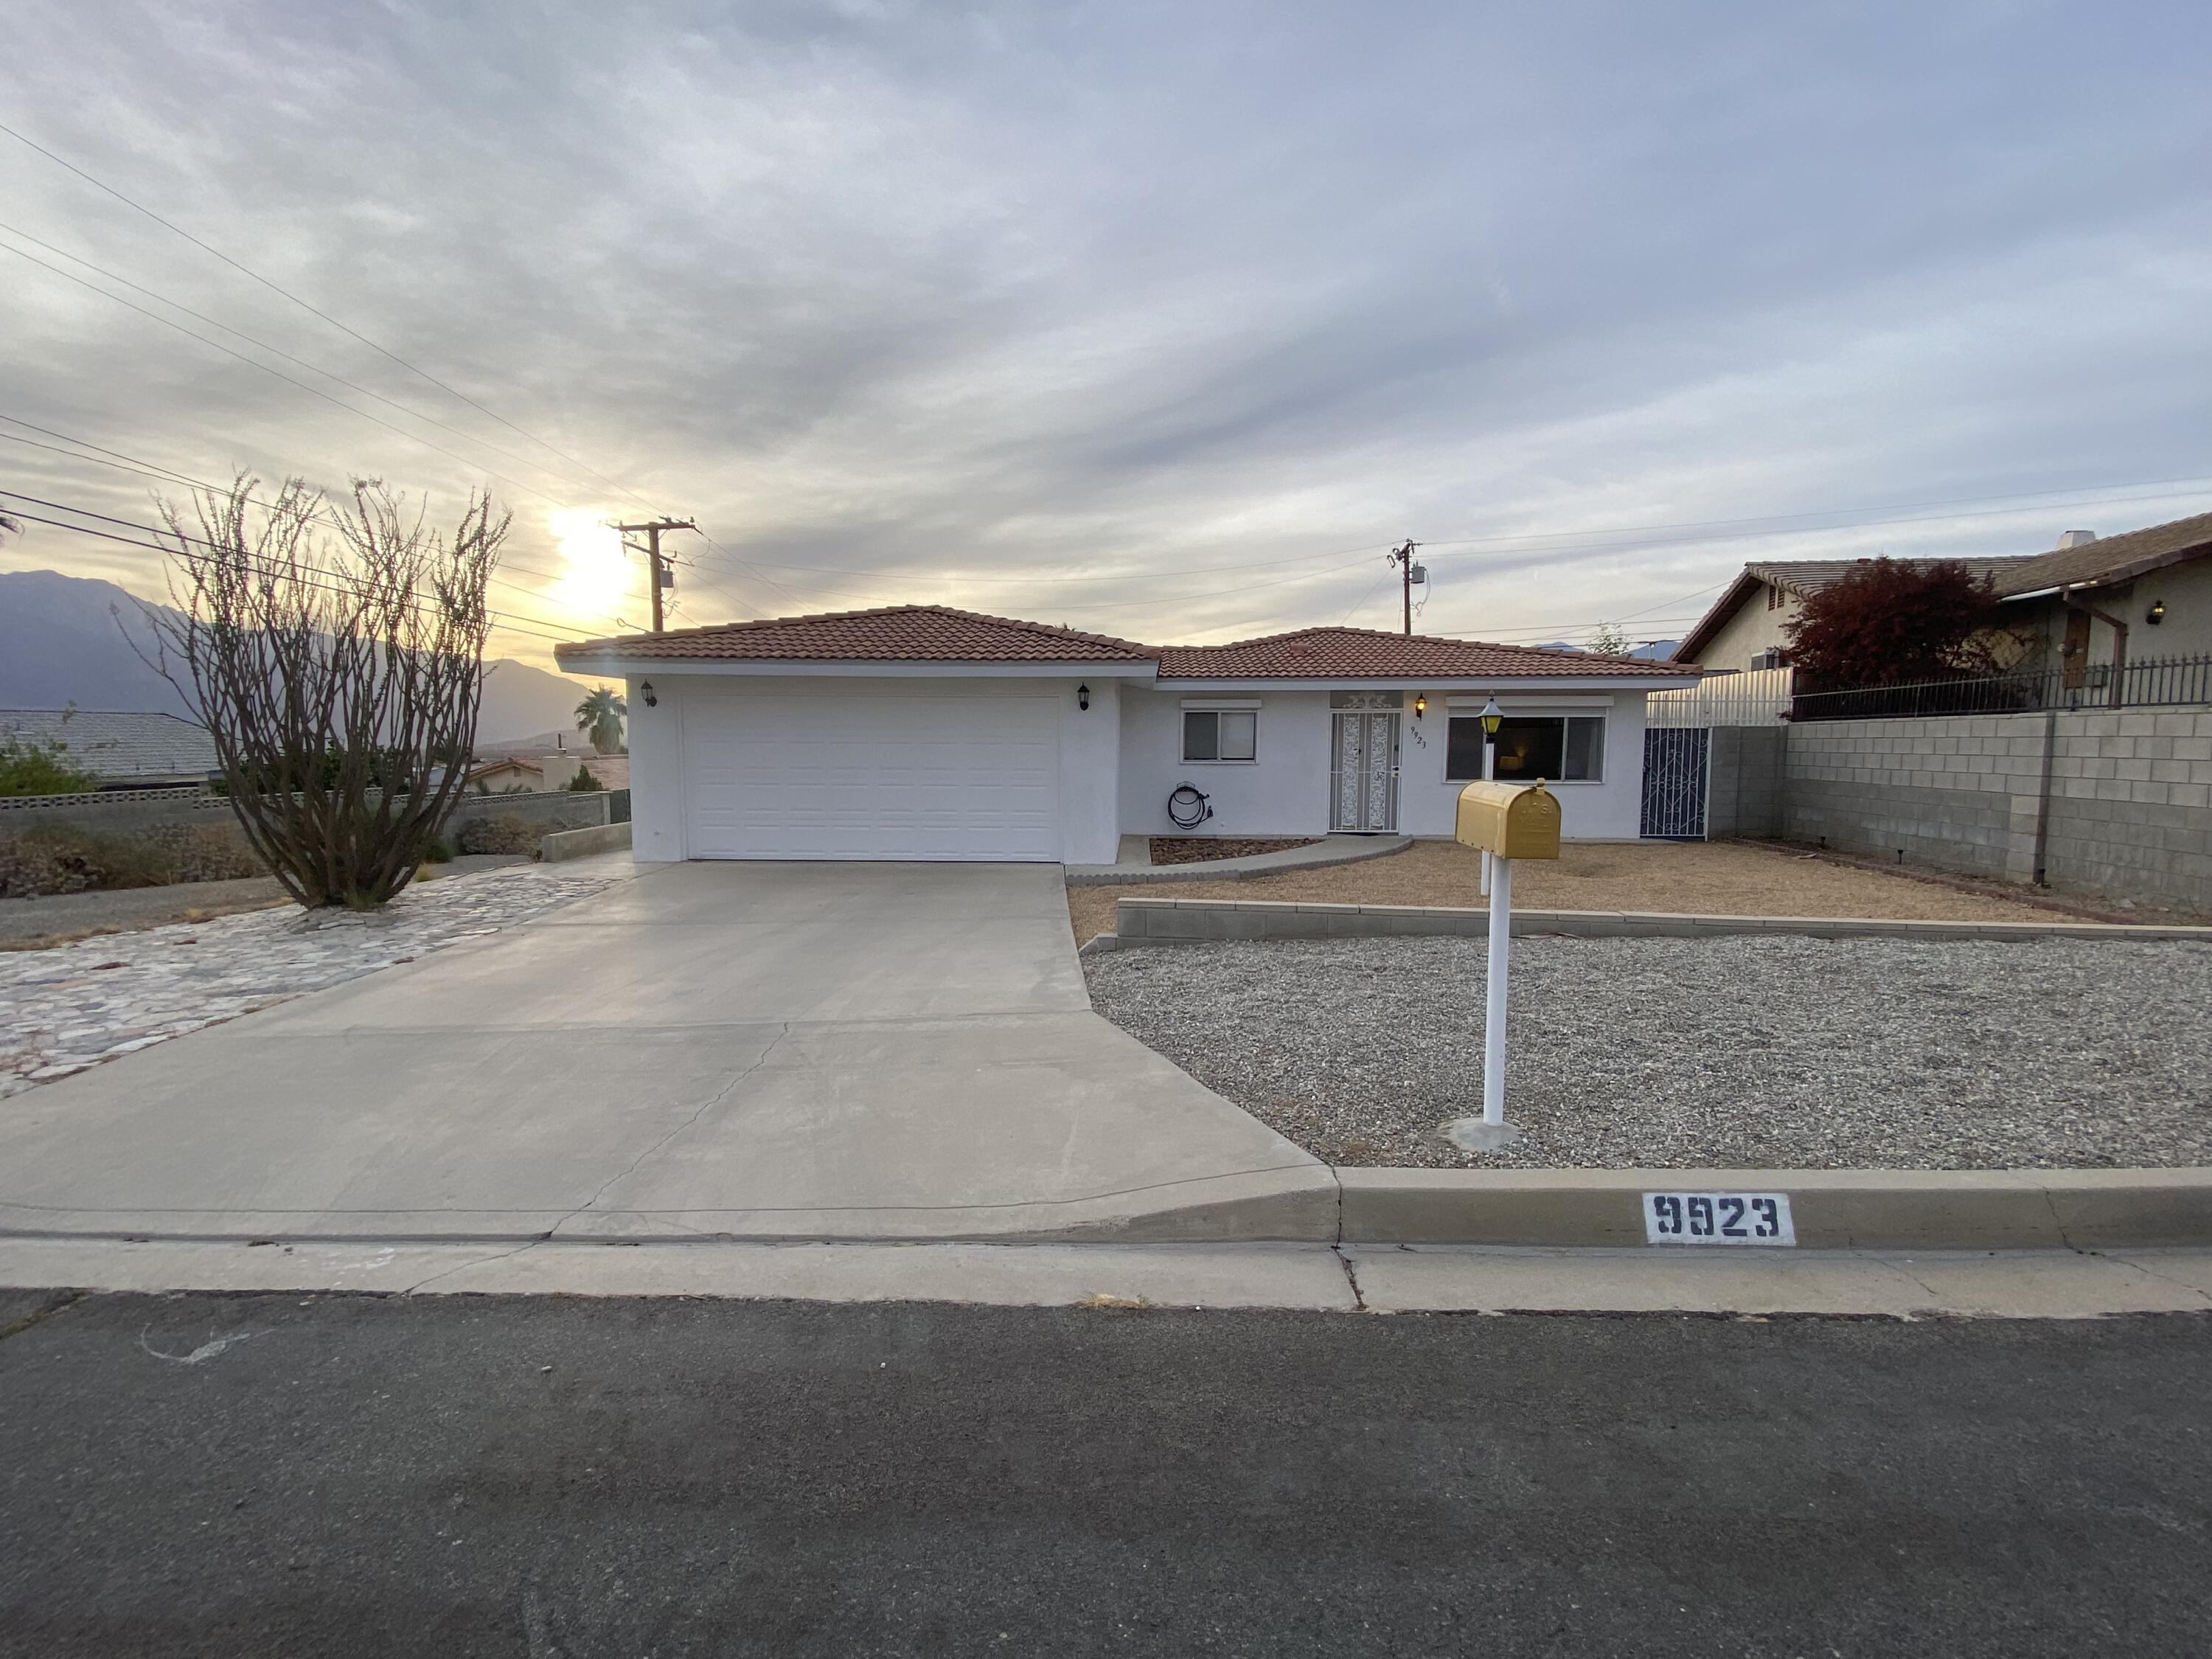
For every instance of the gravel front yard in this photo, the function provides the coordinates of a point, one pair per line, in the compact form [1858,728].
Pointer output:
[74,1006]
[1719,877]
[1683,1053]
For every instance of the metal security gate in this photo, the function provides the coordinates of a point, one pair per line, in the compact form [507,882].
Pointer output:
[1675,762]
[1362,773]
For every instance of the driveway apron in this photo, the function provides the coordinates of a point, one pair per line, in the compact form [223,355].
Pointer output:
[710,1050]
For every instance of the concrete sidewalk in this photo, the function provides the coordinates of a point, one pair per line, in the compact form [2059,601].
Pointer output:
[755,1050]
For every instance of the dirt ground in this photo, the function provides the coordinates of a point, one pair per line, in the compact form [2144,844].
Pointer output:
[1722,877]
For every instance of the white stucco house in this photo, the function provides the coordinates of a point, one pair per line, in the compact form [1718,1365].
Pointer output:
[924,733]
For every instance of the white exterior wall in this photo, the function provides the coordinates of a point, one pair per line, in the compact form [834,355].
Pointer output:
[1285,792]
[1089,746]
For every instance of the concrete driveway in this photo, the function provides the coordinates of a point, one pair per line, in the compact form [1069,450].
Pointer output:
[733,1050]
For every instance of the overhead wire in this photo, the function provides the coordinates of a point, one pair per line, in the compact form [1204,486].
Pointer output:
[277,350]
[104,535]
[152,469]
[312,391]
[276,288]
[152,529]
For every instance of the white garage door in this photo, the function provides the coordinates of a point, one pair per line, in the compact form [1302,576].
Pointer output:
[894,776]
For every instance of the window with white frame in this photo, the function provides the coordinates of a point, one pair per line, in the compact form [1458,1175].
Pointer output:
[1557,748]
[1220,734]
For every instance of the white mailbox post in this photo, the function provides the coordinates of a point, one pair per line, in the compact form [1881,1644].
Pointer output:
[1507,822]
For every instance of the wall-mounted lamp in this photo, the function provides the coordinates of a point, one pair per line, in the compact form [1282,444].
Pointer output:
[645,690]
[1083,696]
[2156,614]
[1420,704]
[1492,717]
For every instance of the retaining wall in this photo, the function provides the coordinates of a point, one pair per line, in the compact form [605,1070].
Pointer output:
[2127,814]
[139,811]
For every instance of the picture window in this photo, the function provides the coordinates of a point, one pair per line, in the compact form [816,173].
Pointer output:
[1559,748]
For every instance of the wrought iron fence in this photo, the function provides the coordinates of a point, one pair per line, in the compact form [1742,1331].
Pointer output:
[2154,681]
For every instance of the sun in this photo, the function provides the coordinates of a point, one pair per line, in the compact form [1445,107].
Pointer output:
[595,578]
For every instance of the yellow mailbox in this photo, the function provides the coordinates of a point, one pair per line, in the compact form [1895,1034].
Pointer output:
[1510,820]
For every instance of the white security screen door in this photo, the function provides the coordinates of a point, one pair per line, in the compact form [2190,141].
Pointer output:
[896,776]
[1363,773]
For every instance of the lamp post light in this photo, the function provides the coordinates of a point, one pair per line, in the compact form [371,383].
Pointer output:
[1492,717]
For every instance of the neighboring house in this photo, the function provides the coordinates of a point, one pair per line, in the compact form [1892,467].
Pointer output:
[1744,629]
[2086,604]
[2094,602]
[498,773]
[123,750]
[541,743]
[924,733]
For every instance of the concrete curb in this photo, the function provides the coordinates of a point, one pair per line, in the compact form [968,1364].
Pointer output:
[582,843]
[1145,920]
[1323,855]
[1834,1209]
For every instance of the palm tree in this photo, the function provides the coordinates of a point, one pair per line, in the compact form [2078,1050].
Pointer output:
[600,715]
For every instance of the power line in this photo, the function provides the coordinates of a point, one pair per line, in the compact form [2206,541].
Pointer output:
[86,530]
[123,463]
[312,391]
[151,530]
[289,357]
[342,327]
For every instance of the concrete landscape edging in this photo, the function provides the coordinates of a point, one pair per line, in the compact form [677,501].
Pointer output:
[582,843]
[1146,921]
[1833,1209]
[1323,855]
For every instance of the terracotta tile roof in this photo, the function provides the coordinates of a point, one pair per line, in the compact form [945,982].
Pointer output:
[2111,558]
[1361,654]
[899,633]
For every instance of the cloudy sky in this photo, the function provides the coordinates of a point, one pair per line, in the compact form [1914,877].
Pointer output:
[1160,320]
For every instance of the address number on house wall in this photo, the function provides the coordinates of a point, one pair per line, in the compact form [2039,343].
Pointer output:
[1718,1219]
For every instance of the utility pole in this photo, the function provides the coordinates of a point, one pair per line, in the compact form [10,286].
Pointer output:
[1409,573]
[663,577]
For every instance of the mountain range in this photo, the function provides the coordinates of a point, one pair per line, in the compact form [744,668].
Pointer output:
[76,640]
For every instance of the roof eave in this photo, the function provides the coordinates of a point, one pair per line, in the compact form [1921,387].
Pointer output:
[1428,682]
[864,667]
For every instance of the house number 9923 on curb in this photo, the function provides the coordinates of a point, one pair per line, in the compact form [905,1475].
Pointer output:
[1718,1219]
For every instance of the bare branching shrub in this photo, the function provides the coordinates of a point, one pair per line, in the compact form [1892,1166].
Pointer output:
[339,675]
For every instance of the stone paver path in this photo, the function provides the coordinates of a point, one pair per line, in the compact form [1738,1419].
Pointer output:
[64,1009]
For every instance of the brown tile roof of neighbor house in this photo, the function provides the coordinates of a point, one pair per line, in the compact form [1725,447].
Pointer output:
[2111,558]
[1806,577]
[1362,654]
[898,633]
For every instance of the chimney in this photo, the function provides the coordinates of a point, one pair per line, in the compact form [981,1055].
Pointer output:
[2075,538]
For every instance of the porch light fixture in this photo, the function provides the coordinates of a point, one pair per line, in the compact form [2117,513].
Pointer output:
[2156,614]
[645,690]
[1492,717]
[1420,704]
[1083,696]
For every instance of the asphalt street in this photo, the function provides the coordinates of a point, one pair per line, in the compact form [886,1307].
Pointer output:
[351,1475]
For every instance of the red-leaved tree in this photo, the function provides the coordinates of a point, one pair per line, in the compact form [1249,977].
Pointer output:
[1887,624]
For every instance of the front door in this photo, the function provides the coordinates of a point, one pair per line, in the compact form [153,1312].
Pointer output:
[1363,773]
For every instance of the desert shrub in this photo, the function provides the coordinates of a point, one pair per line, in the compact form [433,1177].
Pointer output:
[438,852]
[40,769]
[510,832]
[584,782]
[205,852]
[53,859]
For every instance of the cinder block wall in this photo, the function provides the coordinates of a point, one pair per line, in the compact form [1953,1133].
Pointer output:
[122,814]
[2130,808]
[1743,788]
